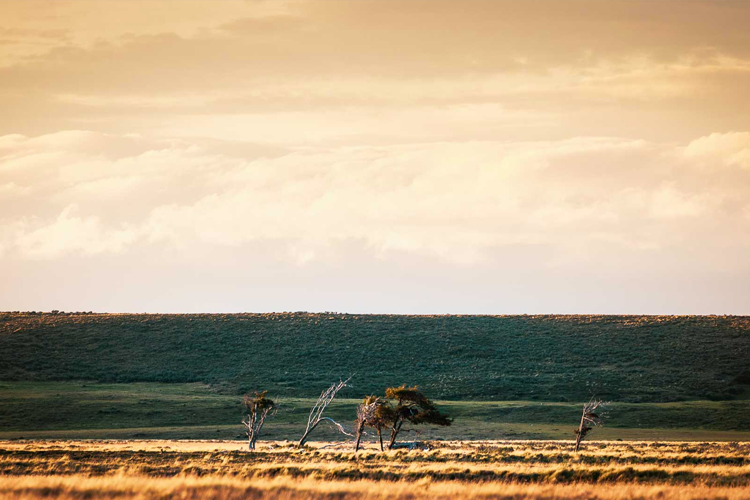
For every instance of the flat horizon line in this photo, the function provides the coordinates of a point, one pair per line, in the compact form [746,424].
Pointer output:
[337,313]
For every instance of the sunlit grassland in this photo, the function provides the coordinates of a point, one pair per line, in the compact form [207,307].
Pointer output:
[497,469]
[189,488]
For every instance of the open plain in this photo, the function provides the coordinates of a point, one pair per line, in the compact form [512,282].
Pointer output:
[449,469]
[149,406]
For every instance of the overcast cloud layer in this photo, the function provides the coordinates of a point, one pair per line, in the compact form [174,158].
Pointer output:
[426,157]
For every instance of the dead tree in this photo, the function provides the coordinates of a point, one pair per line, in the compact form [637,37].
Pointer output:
[316,413]
[259,407]
[369,416]
[590,417]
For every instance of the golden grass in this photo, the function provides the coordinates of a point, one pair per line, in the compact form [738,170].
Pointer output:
[498,469]
[186,487]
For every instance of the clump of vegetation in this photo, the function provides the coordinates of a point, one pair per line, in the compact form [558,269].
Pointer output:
[409,405]
[259,407]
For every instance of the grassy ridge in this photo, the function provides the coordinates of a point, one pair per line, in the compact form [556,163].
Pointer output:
[546,358]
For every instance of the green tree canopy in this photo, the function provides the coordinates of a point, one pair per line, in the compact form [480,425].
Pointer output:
[409,404]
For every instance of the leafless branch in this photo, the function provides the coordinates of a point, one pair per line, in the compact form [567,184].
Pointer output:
[591,417]
[338,426]
[316,413]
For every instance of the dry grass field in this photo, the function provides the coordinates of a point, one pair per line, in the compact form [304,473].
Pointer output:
[486,469]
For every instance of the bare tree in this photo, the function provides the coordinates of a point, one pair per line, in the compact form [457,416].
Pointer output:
[259,407]
[316,413]
[590,417]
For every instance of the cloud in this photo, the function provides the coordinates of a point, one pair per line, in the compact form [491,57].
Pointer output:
[454,201]
[11,190]
[721,150]
[627,69]
[70,233]
[669,202]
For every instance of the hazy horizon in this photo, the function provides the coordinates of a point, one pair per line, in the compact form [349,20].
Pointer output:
[350,313]
[415,157]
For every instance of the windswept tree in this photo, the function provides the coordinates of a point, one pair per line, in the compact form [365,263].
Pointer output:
[259,407]
[371,412]
[410,405]
[316,412]
[590,417]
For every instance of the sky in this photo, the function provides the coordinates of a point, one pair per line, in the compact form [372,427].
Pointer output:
[458,157]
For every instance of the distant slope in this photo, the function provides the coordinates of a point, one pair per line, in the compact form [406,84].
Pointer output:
[552,358]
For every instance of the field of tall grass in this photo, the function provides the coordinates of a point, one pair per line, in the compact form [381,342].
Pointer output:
[212,488]
[475,469]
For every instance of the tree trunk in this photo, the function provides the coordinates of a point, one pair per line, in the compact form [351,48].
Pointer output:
[307,433]
[360,428]
[394,432]
[581,432]
[380,436]
[356,446]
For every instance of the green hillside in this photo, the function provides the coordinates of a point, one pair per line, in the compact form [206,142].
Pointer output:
[545,358]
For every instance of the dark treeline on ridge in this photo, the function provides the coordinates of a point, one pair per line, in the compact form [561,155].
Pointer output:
[546,358]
